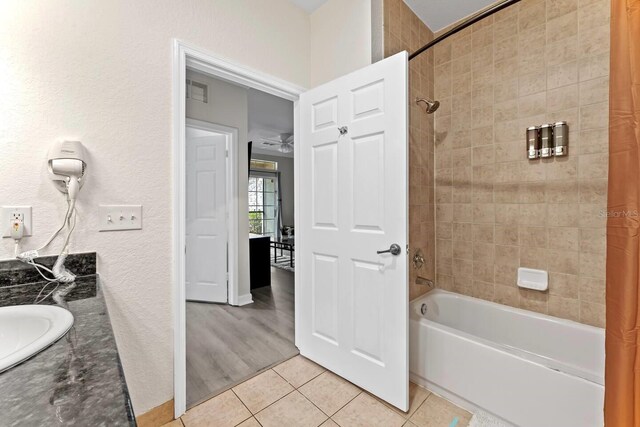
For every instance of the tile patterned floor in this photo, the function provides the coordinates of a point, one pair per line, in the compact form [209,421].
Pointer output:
[299,393]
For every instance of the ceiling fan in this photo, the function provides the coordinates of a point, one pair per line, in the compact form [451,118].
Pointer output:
[285,140]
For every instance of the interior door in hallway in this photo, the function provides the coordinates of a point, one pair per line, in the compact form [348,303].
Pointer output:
[353,303]
[206,225]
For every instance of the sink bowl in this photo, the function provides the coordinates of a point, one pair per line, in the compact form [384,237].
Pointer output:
[26,330]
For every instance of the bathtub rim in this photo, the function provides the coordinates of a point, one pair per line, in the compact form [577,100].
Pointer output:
[445,392]
[505,307]
[522,354]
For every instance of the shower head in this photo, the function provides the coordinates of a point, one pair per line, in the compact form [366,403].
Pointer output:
[432,106]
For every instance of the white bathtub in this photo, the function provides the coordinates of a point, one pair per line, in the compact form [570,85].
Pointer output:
[529,369]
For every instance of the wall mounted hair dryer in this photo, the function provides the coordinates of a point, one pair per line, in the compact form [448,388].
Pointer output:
[67,166]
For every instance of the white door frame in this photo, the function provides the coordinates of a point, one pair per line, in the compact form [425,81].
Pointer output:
[186,55]
[231,188]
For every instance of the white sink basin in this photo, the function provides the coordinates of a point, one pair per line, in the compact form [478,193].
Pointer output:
[26,330]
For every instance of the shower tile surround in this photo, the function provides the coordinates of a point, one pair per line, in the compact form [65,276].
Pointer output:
[403,30]
[539,61]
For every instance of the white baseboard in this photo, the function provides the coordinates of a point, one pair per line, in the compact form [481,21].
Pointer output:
[245,299]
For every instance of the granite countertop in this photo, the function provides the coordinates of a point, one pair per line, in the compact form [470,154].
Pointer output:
[78,380]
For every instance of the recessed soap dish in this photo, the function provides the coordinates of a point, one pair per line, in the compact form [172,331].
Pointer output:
[530,278]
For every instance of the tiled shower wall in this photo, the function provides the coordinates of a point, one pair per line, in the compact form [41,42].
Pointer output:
[537,62]
[404,31]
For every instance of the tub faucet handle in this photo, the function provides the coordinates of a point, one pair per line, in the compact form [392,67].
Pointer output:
[418,259]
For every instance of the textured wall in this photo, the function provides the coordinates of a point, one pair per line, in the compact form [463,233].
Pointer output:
[340,39]
[404,31]
[536,62]
[100,71]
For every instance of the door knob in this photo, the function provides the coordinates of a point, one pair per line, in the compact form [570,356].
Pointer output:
[394,249]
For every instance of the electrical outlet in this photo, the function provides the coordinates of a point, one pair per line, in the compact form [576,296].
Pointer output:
[12,213]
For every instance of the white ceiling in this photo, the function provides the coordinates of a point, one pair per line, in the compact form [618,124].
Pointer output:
[439,14]
[269,117]
[309,5]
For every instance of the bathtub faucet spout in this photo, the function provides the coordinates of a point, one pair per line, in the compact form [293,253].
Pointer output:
[423,281]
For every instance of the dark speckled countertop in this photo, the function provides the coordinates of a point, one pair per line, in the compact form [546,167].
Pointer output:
[78,381]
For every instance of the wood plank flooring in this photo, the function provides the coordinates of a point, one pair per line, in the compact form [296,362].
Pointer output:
[227,345]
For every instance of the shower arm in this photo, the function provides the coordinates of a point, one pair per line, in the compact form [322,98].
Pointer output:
[461,26]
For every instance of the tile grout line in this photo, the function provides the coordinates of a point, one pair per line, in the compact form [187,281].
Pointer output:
[323,412]
[294,389]
[302,394]
[343,406]
[350,400]
[271,404]
[329,417]
[406,415]
[251,417]
[420,406]
[306,382]
[236,384]
[243,404]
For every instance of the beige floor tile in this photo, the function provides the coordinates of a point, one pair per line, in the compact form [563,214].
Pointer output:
[329,423]
[417,395]
[262,390]
[366,411]
[329,392]
[410,424]
[436,412]
[293,410]
[220,411]
[251,422]
[174,423]
[298,370]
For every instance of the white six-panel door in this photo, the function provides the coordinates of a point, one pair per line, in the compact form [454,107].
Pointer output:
[353,302]
[206,225]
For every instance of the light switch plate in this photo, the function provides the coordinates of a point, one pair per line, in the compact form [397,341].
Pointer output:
[120,217]
[7,215]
